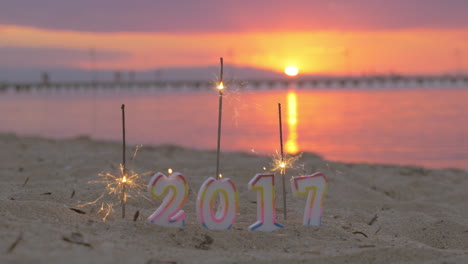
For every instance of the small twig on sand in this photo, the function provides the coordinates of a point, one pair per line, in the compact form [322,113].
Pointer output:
[25,181]
[371,222]
[135,216]
[360,233]
[77,210]
[15,243]
[378,230]
[76,238]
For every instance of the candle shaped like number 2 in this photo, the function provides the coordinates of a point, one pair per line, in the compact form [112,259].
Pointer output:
[314,186]
[175,189]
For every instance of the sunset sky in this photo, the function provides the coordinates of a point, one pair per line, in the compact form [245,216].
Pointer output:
[319,37]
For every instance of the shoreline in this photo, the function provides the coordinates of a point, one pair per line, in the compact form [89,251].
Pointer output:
[260,154]
[372,213]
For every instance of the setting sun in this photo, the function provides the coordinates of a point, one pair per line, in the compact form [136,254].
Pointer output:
[291,71]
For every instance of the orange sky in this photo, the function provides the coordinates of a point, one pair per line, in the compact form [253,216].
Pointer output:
[329,51]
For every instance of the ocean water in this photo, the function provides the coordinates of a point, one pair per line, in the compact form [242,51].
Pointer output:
[427,127]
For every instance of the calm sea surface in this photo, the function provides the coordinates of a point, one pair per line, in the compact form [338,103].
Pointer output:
[426,127]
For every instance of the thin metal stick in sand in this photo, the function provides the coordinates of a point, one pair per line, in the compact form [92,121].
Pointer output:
[282,165]
[220,111]
[124,171]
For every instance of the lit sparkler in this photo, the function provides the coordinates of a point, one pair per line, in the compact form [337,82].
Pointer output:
[114,186]
[281,163]
[120,186]
[220,111]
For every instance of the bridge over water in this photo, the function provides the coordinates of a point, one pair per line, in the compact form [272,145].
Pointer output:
[370,82]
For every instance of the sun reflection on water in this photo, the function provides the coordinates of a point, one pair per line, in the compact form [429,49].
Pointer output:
[291,143]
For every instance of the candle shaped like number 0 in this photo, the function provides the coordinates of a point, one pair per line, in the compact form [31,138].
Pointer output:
[264,184]
[175,190]
[225,215]
[314,186]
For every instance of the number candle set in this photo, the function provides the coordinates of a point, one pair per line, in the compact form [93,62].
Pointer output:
[221,213]
[175,189]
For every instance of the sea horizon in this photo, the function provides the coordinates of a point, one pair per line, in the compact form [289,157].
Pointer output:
[405,126]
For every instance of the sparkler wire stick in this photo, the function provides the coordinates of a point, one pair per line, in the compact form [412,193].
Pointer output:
[220,111]
[123,162]
[283,166]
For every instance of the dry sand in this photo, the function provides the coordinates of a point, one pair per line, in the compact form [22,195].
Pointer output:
[372,213]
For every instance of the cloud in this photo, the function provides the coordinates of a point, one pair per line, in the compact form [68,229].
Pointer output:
[234,16]
[52,57]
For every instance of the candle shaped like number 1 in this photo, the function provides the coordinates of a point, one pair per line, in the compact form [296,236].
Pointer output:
[314,186]
[264,184]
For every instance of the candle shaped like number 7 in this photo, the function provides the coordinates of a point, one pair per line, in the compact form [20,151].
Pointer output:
[314,186]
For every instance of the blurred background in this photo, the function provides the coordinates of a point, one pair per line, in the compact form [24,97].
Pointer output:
[360,81]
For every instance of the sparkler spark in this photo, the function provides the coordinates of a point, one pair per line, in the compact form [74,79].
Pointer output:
[137,148]
[106,208]
[287,162]
[114,183]
[231,96]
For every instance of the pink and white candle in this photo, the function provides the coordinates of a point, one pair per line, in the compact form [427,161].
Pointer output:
[224,216]
[314,187]
[264,184]
[174,189]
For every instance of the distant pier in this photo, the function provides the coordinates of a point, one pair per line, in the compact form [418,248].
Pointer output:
[370,82]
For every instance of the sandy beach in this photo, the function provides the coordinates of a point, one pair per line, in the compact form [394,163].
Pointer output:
[372,213]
